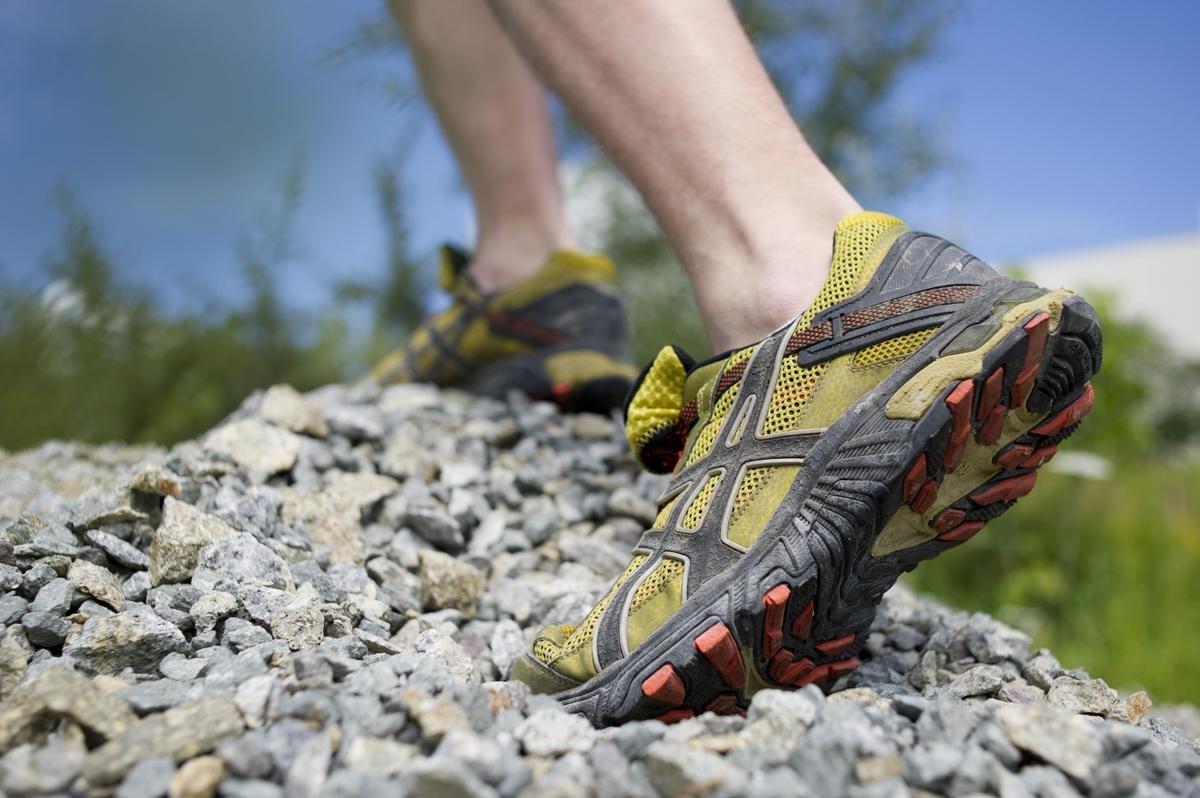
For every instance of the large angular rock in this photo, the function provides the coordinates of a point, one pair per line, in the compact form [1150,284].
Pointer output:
[406,456]
[56,596]
[156,481]
[356,422]
[677,769]
[45,629]
[34,707]
[101,506]
[14,658]
[136,638]
[1062,739]
[260,448]
[299,621]
[333,516]
[552,731]
[1087,697]
[119,551]
[97,582]
[180,733]
[198,778]
[177,542]
[447,583]
[48,770]
[284,406]
[242,560]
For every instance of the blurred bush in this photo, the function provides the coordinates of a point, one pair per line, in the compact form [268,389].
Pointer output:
[1105,571]
[91,357]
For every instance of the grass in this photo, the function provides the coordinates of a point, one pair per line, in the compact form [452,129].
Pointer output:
[1105,573]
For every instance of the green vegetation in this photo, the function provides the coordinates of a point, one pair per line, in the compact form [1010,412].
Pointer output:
[93,358]
[1105,572]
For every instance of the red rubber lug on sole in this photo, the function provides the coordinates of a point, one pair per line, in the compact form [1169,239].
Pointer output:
[1040,457]
[720,649]
[1006,490]
[840,669]
[990,394]
[1013,456]
[925,497]
[963,531]
[834,670]
[989,433]
[786,669]
[665,685]
[836,645]
[676,715]
[947,519]
[1036,331]
[802,625]
[915,478]
[959,403]
[725,704]
[775,602]
[1071,414]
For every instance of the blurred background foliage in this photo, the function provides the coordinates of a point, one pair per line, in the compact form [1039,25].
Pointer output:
[1103,568]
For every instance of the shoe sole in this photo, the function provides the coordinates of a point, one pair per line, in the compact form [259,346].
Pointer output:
[527,374]
[921,463]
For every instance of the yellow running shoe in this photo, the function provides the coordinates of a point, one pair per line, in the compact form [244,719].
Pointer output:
[911,403]
[558,336]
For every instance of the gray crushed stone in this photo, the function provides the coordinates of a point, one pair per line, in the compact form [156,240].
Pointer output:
[324,595]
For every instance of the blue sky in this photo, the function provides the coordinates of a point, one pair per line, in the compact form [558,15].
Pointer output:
[1068,125]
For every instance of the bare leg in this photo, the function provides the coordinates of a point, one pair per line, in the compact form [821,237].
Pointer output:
[676,94]
[493,112]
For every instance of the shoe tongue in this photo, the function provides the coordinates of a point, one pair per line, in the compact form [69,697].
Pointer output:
[452,270]
[663,407]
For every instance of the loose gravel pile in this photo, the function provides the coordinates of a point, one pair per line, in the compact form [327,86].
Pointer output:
[322,597]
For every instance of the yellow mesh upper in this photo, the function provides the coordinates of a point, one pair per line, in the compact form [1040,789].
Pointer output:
[660,520]
[792,390]
[856,254]
[658,399]
[712,428]
[582,634]
[757,498]
[545,649]
[752,482]
[667,570]
[897,348]
[695,510]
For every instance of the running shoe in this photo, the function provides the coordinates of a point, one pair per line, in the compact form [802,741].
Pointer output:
[910,404]
[558,336]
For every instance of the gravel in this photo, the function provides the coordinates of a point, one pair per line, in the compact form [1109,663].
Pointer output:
[323,596]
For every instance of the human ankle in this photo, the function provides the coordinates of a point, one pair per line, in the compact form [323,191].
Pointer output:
[745,296]
[758,304]
[510,255]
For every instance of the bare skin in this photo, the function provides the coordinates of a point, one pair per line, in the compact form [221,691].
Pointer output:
[493,112]
[682,104]
[685,109]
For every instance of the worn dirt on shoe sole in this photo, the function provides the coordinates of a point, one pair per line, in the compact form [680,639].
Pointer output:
[918,465]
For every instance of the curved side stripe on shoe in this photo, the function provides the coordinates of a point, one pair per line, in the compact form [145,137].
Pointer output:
[696,546]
